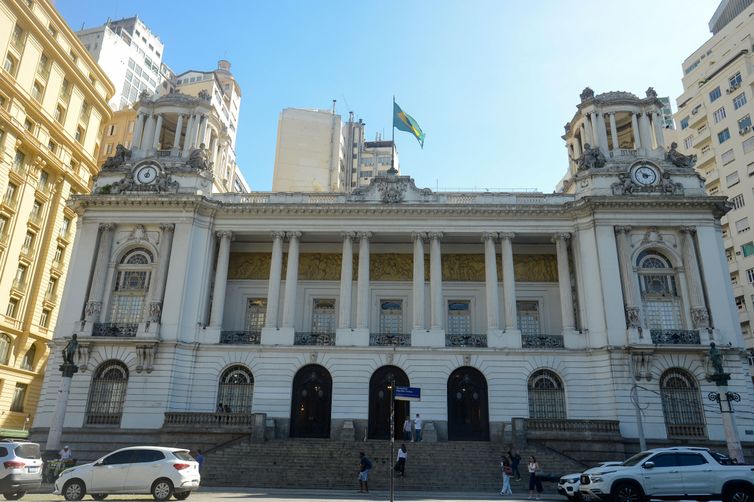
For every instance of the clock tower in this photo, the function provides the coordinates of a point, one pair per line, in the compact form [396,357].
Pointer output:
[616,147]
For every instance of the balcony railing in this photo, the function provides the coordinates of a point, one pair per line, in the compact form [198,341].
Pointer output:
[675,336]
[465,340]
[27,252]
[200,419]
[571,425]
[102,418]
[240,337]
[542,341]
[19,285]
[390,339]
[10,201]
[51,297]
[686,431]
[19,168]
[314,339]
[115,329]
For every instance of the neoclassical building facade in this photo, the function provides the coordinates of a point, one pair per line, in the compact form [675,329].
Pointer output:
[193,307]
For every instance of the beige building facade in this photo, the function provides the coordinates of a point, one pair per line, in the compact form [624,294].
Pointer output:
[714,121]
[53,102]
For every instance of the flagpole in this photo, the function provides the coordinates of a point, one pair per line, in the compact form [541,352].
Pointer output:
[392,151]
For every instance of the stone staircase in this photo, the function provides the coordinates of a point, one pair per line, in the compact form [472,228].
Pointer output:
[325,463]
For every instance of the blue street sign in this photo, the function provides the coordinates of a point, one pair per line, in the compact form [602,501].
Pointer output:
[408,394]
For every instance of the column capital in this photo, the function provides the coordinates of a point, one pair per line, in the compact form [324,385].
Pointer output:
[506,236]
[435,235]
[418,236]
[107,227]
[293,235]
[687,229]
[561,236]
[364,235]
[224,234]
[167,227]
[489,236]
[622,229]
[277,234]
[348,235]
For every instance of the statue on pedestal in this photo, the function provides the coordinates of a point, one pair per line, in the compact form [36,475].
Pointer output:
[678,159]
[198,159]
[592,157]
[69,351]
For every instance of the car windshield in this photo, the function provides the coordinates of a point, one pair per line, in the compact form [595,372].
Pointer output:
[28,450]
[722,459]
[183,455]
[636,458]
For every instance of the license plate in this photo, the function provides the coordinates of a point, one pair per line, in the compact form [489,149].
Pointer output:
[33,469]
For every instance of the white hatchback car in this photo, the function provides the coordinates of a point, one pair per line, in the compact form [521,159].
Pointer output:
[569,484]
[163,472]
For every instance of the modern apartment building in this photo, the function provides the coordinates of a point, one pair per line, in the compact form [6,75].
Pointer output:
[53,102]
[714,120]
[131,56]
[316,151]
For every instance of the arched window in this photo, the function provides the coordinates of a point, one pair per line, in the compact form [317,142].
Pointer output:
[682,404]
[5,343]
[659,292]
[107,394]
[236,390]
[546,395]
[29,358]
[131,287]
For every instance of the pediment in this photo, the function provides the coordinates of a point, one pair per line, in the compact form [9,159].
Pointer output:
[392,189]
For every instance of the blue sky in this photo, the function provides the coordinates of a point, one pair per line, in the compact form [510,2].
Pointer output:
[490,82]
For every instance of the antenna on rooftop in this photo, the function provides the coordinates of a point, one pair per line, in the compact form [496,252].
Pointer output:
[333,106]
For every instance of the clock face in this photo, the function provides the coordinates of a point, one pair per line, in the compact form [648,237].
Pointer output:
[146,175]
[645,175]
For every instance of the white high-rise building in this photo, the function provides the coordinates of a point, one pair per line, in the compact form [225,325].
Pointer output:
[131,56]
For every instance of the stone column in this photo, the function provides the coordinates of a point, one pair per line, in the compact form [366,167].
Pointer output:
[166,245]
[614,131]
[583,138]
[362,285]
[602,133]
[221,280]
[635,130]
[631,300]
[509,282]
[93,310]
[187,143]
[490,278]
[645,132]
[658,127]
[55,433]
[576,148]
[291,280]
[157,131]
[435,281]
[564,282]
[138,130]
[590,135]
[148,136]
[202,129]
[346,280]
[178,130]
[273,284]
[698,309]
[418,279]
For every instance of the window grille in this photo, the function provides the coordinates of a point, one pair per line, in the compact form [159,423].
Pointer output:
[662,305]
[681,404]
[528,317]
[459,317]
[107,394]
[391,317]
[256,314]
[5,344]
[546,395]
[236,390]
[323,317]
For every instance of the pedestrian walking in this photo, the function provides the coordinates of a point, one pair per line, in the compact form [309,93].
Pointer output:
[534,481]
[418,423]
[407,429]
[515,459]
[199,459]
[505,466]
[66,453]
[400,464]
[364,465]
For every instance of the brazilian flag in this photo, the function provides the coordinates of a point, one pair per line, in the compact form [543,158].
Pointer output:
[405,122]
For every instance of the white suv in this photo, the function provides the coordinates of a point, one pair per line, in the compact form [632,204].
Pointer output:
[20,468]
[139,469]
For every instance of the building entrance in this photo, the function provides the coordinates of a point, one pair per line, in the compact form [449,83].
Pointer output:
[311,402]
[468,415]
[379,403]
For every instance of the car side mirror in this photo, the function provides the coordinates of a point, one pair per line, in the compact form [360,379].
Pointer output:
[98,463]
[648,465]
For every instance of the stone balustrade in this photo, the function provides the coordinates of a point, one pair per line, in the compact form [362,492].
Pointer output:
[572,426]
[180,419]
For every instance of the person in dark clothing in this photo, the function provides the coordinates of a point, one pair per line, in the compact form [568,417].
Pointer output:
[515,459]
[364,465]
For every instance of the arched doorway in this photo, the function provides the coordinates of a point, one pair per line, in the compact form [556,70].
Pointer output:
[379,403]
[468,414]
[310,402]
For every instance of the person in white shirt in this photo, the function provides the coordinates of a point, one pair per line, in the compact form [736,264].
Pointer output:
[65,453]
[418,428]
[407,429]
[400,465]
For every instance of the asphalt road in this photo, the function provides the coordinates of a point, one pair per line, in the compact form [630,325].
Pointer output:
[277,495]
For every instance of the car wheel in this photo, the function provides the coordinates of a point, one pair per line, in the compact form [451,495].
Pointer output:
[162,489]
[74,490]
[739,494]
[99,496]
[13,495]
[627,492]
[182,495]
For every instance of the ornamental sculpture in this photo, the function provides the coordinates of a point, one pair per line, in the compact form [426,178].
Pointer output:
[198,159]
[651,93]
[122,154]
[587,93]
[391,192]
[591,158]
[678,159]
[69,351]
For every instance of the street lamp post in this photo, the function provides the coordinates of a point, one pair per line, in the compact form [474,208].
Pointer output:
[725,400]
[391,388]
[68,369]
